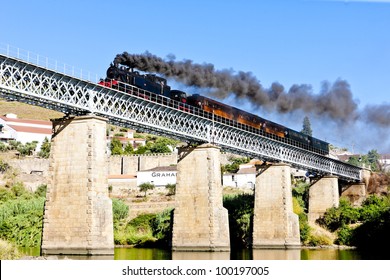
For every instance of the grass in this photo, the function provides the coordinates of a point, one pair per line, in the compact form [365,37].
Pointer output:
[25,111]
[8,251]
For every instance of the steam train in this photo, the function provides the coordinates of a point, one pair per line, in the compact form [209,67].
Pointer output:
[119,76]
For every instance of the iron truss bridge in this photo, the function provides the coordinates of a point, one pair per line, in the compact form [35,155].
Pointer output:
[38,85]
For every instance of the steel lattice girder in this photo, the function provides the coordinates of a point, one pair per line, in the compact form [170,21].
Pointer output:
[35,85]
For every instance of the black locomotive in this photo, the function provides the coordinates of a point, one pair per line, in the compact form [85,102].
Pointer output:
[120,77]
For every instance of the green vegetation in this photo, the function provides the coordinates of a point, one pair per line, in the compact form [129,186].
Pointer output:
[300,195]
[45,148]
[306,127]
[120,210]
[154,145]
[240,208]
[145,187]
[146,230]
[21,215]
[28,148]
[171,189]
[234,165]
[366,227]
[371,160]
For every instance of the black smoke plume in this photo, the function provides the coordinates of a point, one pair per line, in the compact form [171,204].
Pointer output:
[334,101]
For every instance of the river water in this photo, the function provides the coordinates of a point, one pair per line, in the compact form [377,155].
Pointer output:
[245,254]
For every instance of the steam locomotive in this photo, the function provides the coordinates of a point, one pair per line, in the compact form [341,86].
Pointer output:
[119,76]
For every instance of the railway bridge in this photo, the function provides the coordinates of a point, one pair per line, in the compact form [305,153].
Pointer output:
[78,213]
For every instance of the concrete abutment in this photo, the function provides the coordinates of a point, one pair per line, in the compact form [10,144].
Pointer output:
[78,212]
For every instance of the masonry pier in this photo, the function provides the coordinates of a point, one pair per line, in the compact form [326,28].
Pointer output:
[78,212]
[274,223]
[356,193]
[200,223]
[323,194]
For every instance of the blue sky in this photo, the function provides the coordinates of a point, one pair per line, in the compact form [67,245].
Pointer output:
[289,42]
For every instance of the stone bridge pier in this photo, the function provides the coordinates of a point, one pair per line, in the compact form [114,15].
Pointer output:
[78,212]
[275,225]
[200,223]
[323,194]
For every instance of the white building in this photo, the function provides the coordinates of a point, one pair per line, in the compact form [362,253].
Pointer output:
[384,161]
[159,176]
[23,130]
[244,178]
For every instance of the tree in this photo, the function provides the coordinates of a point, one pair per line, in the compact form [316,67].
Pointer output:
[373,160]
[160,148]
[45,148]
[116,147]
[28,148]
[144,187]
[235,164]
[306,128]
[128,149]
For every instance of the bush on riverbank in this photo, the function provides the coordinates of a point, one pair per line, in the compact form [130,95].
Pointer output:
[240,208]
[366,227]
[21,215]
[146,230]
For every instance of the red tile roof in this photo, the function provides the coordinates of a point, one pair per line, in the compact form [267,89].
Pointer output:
[122,176]
[26,121]
[28,129]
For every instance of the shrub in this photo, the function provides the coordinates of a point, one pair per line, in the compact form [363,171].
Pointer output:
[335,218]
[162,227]
[344,235]
[119,210]
[374,234]
[139,231]
[4,166]
[41,191]
[240,209]
[301,193]
[373,207]
[171,189]
[319,240]
[21,221]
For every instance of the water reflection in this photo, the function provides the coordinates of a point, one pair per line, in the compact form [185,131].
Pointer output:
[142,254]
[276,254]
[244,254]
[329,254]
[200,255]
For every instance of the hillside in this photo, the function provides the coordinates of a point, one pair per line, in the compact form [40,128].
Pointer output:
[25,111]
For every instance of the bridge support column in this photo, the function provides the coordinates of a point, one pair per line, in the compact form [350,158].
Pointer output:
[78,212]
[323,194]
[356,193]
[274,223]
[200,223]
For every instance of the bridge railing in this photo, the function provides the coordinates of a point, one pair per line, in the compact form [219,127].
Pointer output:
[47,62]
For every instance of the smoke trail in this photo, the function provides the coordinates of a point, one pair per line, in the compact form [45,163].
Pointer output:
[334,101]
[378,114]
